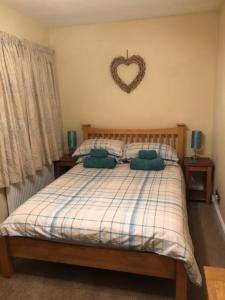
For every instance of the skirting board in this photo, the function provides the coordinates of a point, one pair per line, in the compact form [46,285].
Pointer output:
[216,206]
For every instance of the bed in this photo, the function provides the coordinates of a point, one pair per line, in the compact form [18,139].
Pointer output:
[63,224]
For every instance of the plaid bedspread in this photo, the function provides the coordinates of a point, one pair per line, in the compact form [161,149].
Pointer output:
[124,208]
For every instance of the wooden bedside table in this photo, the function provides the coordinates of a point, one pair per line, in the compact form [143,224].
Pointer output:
[198,177]
[63,165]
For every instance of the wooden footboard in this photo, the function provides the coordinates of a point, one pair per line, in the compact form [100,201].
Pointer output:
[137,262]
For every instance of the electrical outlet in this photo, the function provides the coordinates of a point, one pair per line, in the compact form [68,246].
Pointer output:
[217,196]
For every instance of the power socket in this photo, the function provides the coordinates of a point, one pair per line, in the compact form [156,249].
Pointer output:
[217,196]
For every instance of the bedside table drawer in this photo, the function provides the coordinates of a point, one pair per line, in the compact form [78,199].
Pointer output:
[197,169]
[64,164]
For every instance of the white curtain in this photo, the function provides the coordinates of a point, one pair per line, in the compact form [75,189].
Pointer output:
[30,118]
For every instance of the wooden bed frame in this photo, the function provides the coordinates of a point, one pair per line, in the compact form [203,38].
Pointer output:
[145,263]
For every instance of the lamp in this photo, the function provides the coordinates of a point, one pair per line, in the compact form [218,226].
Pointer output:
[196,142]
[72,140]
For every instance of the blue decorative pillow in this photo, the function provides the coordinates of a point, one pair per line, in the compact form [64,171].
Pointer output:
[99,163]
[98,152]
[156,164]
[147,154]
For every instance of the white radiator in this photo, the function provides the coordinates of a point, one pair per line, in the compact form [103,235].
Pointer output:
[18,193]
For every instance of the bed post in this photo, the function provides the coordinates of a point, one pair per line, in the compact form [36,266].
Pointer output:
[181,141]
[6,265]
[181,281]
[85,128]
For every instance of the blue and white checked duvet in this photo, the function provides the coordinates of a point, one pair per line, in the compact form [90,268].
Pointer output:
[124,208]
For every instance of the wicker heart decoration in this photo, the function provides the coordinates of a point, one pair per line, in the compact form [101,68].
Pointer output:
[135,59]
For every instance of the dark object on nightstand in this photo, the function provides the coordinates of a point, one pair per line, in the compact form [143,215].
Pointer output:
[72,140]
[63,165]
[196,142]
[198,177]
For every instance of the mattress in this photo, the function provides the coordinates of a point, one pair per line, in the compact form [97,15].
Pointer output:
[116,208]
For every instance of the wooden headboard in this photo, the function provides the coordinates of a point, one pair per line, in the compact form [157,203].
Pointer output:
[171,136]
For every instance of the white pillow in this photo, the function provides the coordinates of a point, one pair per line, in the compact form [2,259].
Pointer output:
[113,147]
[164,151]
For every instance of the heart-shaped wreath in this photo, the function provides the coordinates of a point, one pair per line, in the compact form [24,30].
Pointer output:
[135,59]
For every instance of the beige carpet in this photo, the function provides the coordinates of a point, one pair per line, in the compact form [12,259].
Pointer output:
[45,281]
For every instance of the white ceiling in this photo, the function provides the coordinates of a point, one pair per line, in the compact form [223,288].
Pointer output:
[69,12]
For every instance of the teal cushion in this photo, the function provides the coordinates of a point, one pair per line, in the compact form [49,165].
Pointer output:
[98,152]
[99,163]
[147,154]
[156,164]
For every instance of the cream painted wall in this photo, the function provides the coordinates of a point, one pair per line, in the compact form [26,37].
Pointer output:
[219,117]
[180,54]
[22,26]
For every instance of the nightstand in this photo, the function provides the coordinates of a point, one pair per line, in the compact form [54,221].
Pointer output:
[63,165]
[198,177]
